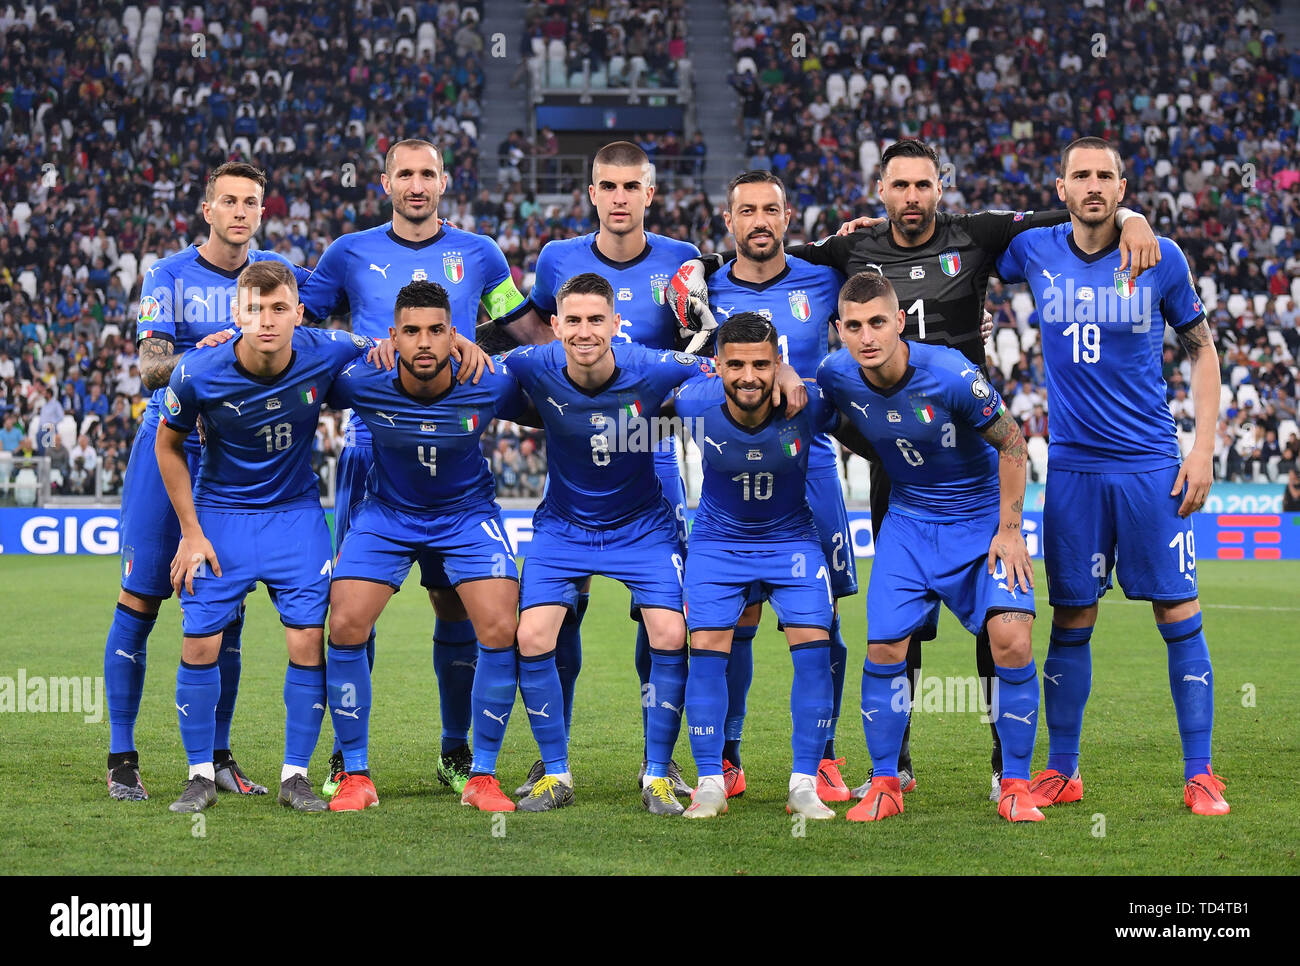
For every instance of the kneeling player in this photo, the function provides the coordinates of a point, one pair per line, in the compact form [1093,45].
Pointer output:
[254,515]
[429,495]
[754,529]
[932,418]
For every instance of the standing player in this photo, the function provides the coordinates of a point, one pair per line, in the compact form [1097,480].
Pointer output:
[429,497]
[939,265]
[604,513]
[362,272]
[254,515]
[754,531]
[184,297]
[639,264]
[952,534]
[1117,496]
[799,299]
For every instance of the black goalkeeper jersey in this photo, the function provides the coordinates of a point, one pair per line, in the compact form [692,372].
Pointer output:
[941,285]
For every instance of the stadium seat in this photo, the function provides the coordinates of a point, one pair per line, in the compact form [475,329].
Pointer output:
[636,67]
[122,62]
[470,128]
[599,79]
[972,35]
[1209,289]
[1295,289]
[405,48]
[407,14]
[1022,306]
[21,213]
[1286,429]
[131,23]
[1260,303]
[1282,302]
[557,73]
[27,282]
[879,85]
[746,65]
[1185,442]
[260,17]
[263,145]
[857,87]
[6,471]
[1277,234]
[216,29]
[888,34]
[1226,398]
[272,78]
[67,430]
[26,486]
[693,470]
[384,45]
[1028,339]
[1163,168]
[556,50]
[1008,343]
[242,146]
[1247,393]
[1038,457]
[837,91]
[810,216]
[617,71]
[147,262]
[859,475]
[286,145]
[357,129]
[181,97]
[539,43]
[426,40]
[1237,305]
[367,49]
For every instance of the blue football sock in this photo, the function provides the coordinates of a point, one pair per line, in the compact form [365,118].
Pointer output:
[1067,682]
[1191,680]
[198,686]
[642,659]
[1015,703]
[230,662]
[664,711]
[454,655]
[370,663]
[304,709]
[124,664]
[568,655]
[884,713]
[810,704]
[740,675]
[839,665]
[539,683]
[706,708]
[493,698]
[347,682]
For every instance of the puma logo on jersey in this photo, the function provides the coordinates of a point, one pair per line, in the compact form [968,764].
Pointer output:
[501,720]
[717,446]
[867,714]
[1202,678]
[725,313]
[234,407]
[184,375]
[348,370]
[539,714]
[387,417]
[130,657]
[1016,717]
[1054,678]
[1051,279]
[382,271]
[181,708]
[558,406]
[348,714]
[861,408]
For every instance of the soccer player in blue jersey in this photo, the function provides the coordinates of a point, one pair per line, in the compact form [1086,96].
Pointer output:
[604,512]
[800,300]
[429,497]
[253,515]
[953,531]
[639,265]
[362,272]
[754,531]
[1118,495]
[184,297]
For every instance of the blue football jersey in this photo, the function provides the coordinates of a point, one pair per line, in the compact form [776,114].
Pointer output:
[755,480]
[363,272]
[258,433]
[802,302]
[643,307]
[427,453]
[1103,334]
[925,429]
[184,298]
[600,443]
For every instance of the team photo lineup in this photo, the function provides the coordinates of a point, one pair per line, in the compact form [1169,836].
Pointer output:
[671,366]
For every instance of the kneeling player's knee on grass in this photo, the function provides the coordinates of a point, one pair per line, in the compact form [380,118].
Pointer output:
[1172,613]
[201,650]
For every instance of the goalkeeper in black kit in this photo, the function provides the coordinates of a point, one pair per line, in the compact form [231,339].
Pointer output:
[939,264]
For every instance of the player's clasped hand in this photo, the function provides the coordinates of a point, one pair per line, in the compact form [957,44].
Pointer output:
[1197,472]
[191,557]
[214,339]
[857,224]
[791,388]
[382,354]
[1010,548]
[473,360]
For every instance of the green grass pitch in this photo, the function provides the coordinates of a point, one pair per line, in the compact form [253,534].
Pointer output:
[56,817]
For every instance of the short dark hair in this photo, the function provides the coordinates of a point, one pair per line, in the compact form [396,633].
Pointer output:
[234,169]
[410,143]
[268,275]
[588,283]
[908,148]
[1091,142]
[746,327]
[421,295]
[866,286]
[623,154]
[753,177]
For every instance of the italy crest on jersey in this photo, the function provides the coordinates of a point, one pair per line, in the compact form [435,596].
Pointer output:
[799,306]
[1124,284]
[658,286]
[453,266]
[791,444]
[467,420]
[950,262]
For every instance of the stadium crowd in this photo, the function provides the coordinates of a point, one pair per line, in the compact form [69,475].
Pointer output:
[111,118]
